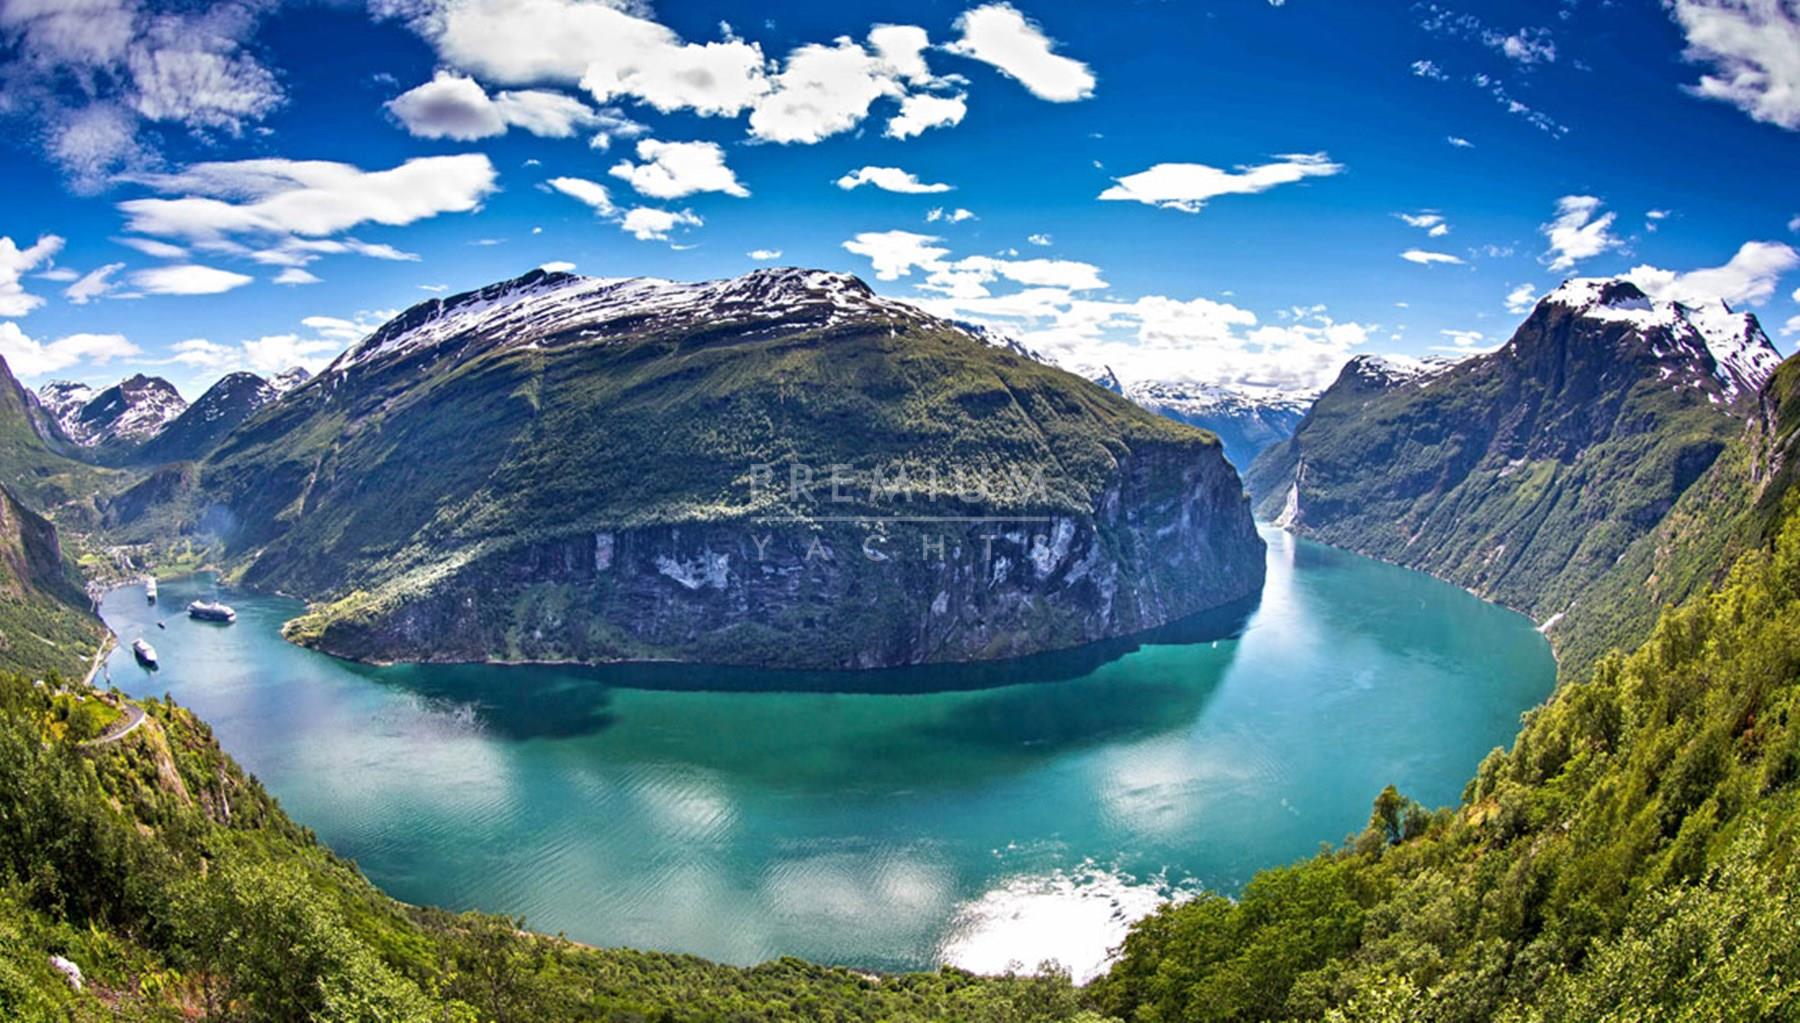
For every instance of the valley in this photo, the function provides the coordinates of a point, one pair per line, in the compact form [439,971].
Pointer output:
[996,792]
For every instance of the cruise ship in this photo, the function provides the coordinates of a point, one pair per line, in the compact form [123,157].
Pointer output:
[145,653]
[150,589]
[211,611]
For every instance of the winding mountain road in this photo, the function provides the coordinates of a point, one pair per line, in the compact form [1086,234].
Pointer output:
[134,716]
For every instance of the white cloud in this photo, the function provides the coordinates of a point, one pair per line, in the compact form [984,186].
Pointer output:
[1188,186]
[1038,239]
[1429,69]
[1157,337]
[902,47]
[1527,45]
[96,284]
[1459,142]
[558,266]
[763,255]
[1521,299]
[1427,258]
[28,357]
[591,192]
[1753,48]
[921,111]
[344,331]
[187,279]
[449,106]
[955,216]
[14,264]
[616,51]
[1794,224]
[294,275]
[152,247]
[306,197]
[1749,278]
[1425,220]
[673,169]
[547,114]
[894,253]
[611,123]
[301,251]
[94,72]
[821,91]
[456,107]
[610,50]
[1576,234]
[277,352]
[999,35]
[647,223]
[889,179]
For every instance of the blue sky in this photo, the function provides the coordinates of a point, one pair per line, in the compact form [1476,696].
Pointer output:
[1243,192]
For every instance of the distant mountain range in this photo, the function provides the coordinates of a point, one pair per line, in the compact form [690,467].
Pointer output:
[144,419]
[1246,419]
[1529,473]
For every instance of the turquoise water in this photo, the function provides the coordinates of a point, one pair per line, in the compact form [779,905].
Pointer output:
[891,820]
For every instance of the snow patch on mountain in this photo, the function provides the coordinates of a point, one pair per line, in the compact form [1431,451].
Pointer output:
[63,399]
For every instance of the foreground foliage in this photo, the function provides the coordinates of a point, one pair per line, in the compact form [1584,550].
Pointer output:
[1631,858]
[182,891]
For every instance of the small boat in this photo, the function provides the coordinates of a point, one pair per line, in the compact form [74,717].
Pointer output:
[150,589]
[146,654]
[211,611]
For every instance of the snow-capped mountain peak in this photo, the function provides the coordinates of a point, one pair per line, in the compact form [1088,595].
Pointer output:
[549,308]
[1393,370]
[289,378]
[1741,355]
[133,410]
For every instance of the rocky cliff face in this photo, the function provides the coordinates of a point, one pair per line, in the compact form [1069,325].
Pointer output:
[561,467]
[829,595]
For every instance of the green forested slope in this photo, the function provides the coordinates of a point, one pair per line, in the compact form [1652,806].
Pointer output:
[45,624]
[181,891]
[1527,474]
[1631,858]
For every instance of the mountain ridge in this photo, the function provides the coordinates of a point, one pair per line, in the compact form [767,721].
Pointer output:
[1526,473]
[558,467]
